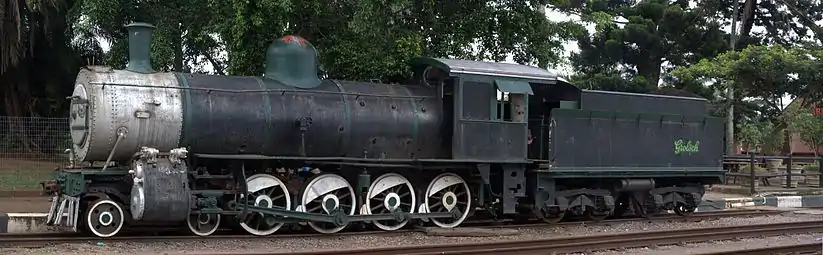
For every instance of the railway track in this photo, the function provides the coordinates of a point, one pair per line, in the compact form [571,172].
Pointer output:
[805,248]
[39,239]
[591,243]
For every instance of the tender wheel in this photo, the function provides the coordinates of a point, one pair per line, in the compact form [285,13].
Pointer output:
[448,193]
[551,217]
[595,215]
[203,224]
[684,210]
[388,193]
[266,191]
[621,206]
[104,218]
[328,194]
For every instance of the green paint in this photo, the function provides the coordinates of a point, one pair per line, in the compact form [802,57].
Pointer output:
[267,109]
[292,60]
[140,36]
[686,146]
[392,201]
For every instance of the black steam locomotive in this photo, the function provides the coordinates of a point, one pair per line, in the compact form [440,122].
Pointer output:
[464,138]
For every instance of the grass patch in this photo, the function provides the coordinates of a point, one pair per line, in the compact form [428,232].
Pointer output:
[16,174]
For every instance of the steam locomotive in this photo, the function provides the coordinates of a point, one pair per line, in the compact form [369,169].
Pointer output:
[463,138]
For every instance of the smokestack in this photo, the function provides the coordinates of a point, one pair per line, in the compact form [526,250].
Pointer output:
[140,36]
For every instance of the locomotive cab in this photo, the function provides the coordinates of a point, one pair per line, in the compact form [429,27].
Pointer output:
[495,109]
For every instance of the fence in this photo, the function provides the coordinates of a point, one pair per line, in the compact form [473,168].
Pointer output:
[773,171]
[30,149]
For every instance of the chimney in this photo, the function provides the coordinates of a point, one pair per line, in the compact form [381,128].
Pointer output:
[140,36]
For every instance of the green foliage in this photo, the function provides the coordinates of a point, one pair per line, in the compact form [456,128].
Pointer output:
[39,37]
[633,41]
[783,24]
[757,169]
[381,36]
[357,40]
[761,136]
[764,74]
[811,168]
[807,126]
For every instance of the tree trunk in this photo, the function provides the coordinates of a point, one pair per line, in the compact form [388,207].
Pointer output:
[749,10]
[178,47]
[16,97]
[805,19]
[650,69]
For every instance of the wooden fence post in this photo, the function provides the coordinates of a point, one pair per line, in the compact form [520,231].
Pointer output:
[752,188]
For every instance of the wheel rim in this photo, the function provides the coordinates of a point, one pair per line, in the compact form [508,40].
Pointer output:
[203,224]
[448,192]
[389,192]
[105,218]
[325,194]
[267,191]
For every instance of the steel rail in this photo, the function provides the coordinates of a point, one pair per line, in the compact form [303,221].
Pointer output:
[584,243]
[814,248]
[27,239]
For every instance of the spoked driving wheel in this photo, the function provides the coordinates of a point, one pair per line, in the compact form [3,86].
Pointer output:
[448,192]
[328,194]
[265,191]
[389,193]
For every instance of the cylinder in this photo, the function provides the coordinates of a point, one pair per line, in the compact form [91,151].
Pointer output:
[635,184]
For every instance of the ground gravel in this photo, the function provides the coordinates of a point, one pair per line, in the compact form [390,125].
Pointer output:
[415,239]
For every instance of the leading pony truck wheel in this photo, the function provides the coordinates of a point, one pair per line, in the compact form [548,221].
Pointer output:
[104,218]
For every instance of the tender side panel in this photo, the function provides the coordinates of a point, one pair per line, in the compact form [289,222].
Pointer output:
[646,103]
[584,139]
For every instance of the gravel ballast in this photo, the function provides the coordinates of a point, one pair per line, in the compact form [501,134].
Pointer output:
[417,239]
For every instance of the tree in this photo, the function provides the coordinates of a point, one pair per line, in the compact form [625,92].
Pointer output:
[781,26]
[356,40]
[370,39]
[808,127]
[38,37]
[752,134]
[182,40]
[633,41]
[763,75]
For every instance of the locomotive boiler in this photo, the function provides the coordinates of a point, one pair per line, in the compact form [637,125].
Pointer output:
[287,112]
[461,138]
